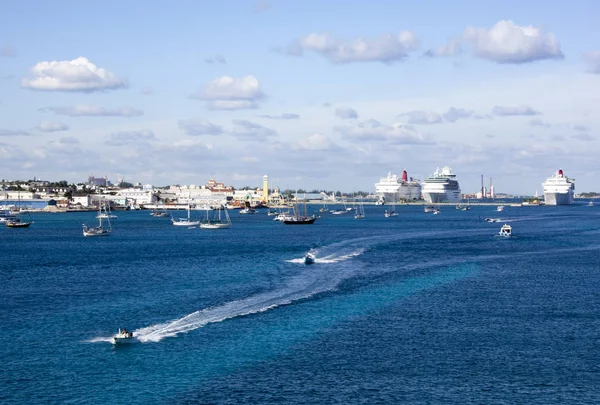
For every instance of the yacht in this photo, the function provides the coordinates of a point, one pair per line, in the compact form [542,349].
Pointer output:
[441,186]
[123,336]
[505,231]
[394,188]
[309,258]
[559,189]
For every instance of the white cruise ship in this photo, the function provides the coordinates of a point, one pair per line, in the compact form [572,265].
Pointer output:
[559,189]
[394,189]
[441,186]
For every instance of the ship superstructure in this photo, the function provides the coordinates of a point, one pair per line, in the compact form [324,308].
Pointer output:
[559,189]
[441,186]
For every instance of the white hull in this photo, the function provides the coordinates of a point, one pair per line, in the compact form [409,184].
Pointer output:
[214,226]
[558,198]
[96,232]
[441,197]
[186,223]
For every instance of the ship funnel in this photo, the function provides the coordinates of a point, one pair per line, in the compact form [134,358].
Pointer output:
[404,176]
[560,173]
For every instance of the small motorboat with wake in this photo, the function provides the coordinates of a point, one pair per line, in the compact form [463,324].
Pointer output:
[505,231]
[123,337]
[309,258]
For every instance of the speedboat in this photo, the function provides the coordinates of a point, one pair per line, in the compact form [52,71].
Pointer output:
[390,213]
[500,208]
[505,231]
[123,337]
[492,220]
[309,258]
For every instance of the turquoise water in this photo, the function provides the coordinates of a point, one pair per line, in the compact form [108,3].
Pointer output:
[417,308]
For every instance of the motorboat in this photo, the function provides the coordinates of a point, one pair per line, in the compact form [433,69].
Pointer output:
[492,220]
[505,231]
[390,213]
[500,208]
[123,337]
[591,204]
[309,258]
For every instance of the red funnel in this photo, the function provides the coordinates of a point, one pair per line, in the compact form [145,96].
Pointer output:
[404,176]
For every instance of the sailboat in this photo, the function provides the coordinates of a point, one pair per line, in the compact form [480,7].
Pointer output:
[359,210]
[185,221]
[99,230]
[392,211]
[106,214]
[299,219]
[15,221]
[217,223]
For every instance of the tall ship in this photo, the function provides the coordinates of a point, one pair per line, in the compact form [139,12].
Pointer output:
[441,186]
[559,189]
[393,188]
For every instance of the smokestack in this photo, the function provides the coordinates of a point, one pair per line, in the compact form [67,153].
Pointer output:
[404,176]
[482,189]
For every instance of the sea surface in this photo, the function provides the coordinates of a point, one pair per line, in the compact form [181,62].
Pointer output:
[414,309]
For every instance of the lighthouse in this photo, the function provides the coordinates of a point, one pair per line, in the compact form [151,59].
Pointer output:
[265,189]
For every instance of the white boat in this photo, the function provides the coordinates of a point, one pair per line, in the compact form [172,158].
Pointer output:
[429,208]
[394,188]
[505,231]
[124,337]
[309,258]
[189,222]
[99,230]
[559,189]
[500,208]
[106,214]
[247,209]
[441,186]
[217,222]
[391,212]
[591,204]
[436,211]
[493,220]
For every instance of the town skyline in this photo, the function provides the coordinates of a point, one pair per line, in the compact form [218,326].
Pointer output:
[318,96]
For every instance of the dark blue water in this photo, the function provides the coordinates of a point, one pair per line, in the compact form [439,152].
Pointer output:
[419,308]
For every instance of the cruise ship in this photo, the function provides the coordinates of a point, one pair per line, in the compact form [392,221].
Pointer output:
[441,186]
[559,189]
[394,189]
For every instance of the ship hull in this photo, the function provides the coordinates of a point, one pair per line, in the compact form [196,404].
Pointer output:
[558,198]
[441,197]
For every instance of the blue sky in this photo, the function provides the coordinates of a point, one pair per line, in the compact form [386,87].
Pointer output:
[328,95]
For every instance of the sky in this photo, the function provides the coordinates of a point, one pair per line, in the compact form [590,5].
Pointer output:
[316,95]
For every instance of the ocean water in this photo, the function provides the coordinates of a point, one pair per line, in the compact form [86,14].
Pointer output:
[417,309]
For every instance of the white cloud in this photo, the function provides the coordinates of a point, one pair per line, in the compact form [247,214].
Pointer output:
[229,93]
[76,75]
[421,117]
[85,110]
[251,131]
[47,126]
[7,51]
[373,130]
[69,140]
[127,137]
[538,122]
[199,127]
[593,61]
[507,42]
[315,142]
[583,137]
[13,132]
[386,49]
[282,116]
[509,111]
[453,114]
[346,113]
